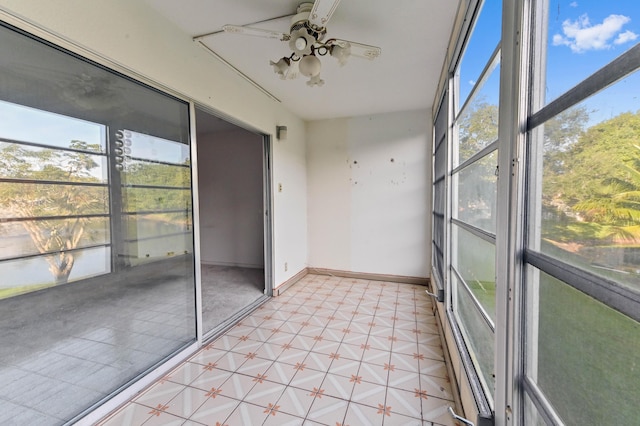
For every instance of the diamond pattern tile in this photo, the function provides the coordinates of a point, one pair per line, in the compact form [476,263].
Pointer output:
[329,351]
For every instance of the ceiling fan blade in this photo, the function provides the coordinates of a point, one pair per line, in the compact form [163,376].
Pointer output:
[257,32]
[322,11]
[359,49]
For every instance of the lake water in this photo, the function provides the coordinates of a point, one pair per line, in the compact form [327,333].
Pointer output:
[88,262]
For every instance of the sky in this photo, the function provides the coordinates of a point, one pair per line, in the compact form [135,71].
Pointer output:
[583,36]
[27,124]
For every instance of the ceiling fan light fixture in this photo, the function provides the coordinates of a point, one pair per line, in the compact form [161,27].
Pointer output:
[281,67]
[306,41]
[310,66]
[315,81]
[301,42]
[341,53]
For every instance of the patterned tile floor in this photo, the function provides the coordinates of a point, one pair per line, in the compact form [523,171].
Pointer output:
[329,351]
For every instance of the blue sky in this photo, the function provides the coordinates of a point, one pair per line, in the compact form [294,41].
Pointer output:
[583,36]
[32,125]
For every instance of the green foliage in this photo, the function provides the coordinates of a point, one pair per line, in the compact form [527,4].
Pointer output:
[176,194]
[477,127]
[34,200]
[594,176]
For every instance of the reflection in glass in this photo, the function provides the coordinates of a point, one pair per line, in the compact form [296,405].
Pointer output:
[29,162]
[30,237]
[587,357]
[585,36]
[591,189]
[42,200]
[46,271]
[477,187]
[25,124]
[158,235]
[112,320]
[475,262]
[145,173]
[484,39]
[478,122]
[139,145]
[151,199]
[478,336]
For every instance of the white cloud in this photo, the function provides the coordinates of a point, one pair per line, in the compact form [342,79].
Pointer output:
[471,82]
[581,36]
[625,37]
[573,4]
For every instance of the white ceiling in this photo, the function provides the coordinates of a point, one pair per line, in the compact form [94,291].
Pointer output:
[413,35]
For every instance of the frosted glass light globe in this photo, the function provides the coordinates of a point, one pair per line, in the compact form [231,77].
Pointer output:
[310,66]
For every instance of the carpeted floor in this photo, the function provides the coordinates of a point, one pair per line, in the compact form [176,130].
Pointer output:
[226,290]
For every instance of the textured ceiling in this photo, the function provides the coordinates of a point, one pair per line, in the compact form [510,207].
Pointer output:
[413,35]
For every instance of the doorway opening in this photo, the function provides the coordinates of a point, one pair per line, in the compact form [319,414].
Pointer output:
[233,183]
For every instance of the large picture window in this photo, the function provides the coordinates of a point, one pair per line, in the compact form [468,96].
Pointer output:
[473,195]
[96,247]
[582,282]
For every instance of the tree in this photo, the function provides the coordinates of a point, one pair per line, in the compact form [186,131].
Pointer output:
[35,195]
[598,177]
[478,128]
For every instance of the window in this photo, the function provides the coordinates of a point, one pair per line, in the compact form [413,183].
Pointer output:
[96,247]
[473,177]
[582,282]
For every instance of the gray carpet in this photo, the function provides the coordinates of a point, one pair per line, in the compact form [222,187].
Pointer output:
[226,290]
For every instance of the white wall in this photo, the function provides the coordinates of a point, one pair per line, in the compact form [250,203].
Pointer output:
[128,33]
[369,193]
[231,202]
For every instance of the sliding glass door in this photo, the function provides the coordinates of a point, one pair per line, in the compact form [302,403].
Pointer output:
[96,247]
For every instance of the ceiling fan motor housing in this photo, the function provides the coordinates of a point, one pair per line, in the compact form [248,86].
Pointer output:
[301,20]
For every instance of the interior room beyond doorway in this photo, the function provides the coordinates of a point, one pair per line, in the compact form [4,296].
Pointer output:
[231,198]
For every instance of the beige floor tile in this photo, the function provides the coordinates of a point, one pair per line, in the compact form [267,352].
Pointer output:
[368,393]
[327,410]
[307,378]
[248,414]
[405,403]
[163,418]
[363,415]
[206,355]
[215,410]
[318,361]
[373,373]
[279,418]
[187,402]
[159,394]
[238,386]
[338,386]
[436,410]
[211,378]
[344,366]
[280,372]
[264,393]
[296,401]
[186,373]
[436,386]
[331,351]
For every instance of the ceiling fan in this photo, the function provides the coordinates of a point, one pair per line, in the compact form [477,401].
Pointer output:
[306,34]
